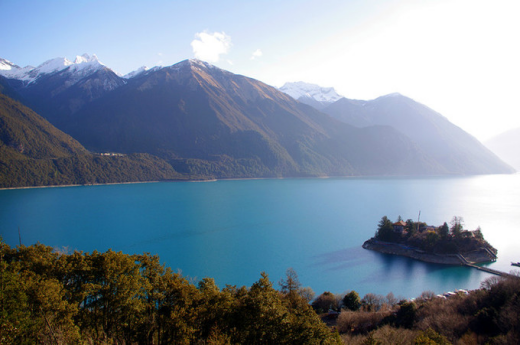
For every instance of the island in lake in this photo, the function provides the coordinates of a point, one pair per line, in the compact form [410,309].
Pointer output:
[436,244]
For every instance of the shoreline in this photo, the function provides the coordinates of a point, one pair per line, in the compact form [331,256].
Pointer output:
[321,177]
[459,259]
[78,185]
[176,180]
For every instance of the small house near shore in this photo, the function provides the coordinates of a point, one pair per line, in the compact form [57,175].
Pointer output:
[399,226]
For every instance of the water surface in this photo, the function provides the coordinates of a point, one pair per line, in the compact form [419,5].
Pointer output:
[234,230]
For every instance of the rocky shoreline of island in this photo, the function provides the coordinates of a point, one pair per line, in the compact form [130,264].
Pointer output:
[473,257]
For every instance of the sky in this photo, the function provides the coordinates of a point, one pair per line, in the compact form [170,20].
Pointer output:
[458,57]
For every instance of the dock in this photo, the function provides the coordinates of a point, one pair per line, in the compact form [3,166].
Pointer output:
[492,271]
[465,262]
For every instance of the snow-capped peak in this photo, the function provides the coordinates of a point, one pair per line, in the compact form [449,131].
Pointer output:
[51,66]
[86,58]
[10,70]
[83,65]
[300,89]
[6,65]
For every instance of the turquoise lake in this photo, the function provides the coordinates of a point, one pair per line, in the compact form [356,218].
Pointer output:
[233,230]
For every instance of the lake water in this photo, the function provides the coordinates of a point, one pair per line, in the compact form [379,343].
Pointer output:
[234,230]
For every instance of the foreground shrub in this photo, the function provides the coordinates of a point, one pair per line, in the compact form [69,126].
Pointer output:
[359,322]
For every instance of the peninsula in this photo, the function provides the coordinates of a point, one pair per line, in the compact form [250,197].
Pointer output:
[436,244]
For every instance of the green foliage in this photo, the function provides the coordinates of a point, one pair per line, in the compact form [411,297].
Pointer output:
[438,240]
[111,297]
[406,314]
[444,230]
[352,301]
[410,228]
[430,337]
[478,234]
[385,230]
[456,227]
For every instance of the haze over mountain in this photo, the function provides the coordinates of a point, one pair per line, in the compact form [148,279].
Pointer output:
[507,147]
[434,133]
[431,131]
[206,121]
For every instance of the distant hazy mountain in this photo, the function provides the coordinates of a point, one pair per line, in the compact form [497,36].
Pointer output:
[311,94]
[507,147]
[432,132]
[35,153]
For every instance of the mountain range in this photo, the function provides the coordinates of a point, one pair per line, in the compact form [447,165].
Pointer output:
[434,133]
[206,122]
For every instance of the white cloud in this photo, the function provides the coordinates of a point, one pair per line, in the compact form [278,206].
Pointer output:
[209,46]
[256,53]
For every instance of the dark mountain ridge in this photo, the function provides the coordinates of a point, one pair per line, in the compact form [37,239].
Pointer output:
[195,111]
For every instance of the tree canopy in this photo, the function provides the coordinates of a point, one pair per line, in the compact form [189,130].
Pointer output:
[111,297]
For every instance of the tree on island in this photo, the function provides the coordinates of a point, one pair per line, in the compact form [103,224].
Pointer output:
[410,227]
[433,239]
[478,233]
[444,230]
[456,226]
[385,229]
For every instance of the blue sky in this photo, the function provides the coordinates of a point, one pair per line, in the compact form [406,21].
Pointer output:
[459,57]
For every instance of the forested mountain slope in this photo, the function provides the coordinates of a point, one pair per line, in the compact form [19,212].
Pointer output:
[35,153]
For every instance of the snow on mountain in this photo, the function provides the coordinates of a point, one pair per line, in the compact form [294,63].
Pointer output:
[6,65]
[82,66]
[10,70]
[139,71]
[299,90]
